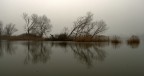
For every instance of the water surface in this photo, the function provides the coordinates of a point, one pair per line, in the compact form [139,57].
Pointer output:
[22,58]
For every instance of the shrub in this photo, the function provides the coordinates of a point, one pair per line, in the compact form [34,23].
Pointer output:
[116,40]
[59,37]
[133,39]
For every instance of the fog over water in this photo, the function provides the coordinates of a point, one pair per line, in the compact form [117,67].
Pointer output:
[123,17]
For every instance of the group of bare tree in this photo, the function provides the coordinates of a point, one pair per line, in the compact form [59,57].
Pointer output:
[34,24]
[85,26]
[38,25]
[8,30]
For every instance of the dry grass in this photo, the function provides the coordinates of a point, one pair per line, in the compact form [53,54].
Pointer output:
[22,38]
[89,39]
[83,39]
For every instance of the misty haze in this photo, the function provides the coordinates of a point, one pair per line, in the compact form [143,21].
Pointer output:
[71,37]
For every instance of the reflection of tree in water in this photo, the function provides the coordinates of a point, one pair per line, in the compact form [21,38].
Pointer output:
[87,53]
[37,52]
[133,45]
[116,45]
[1,49]
[60,44]
[102,44]
[8,47]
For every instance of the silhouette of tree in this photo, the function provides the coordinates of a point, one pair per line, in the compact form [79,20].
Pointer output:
[100,27]
[9,29]
[80,24]
[43,25]
[29,22]
[86,26]
[35,24]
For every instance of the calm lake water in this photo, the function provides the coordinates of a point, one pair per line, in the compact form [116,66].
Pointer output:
[21,58]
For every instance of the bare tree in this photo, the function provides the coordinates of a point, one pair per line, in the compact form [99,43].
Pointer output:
[29,22]
[81,23]
[100,27]
[86,26]
[43,25]
[37,25]
[9,29]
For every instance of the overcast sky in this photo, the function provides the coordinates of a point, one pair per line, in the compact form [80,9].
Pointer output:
[123,17]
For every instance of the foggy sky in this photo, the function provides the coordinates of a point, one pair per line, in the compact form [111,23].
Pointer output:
[123,17]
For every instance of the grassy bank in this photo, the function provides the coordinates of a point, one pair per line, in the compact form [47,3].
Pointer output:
[115,40]
[23,37]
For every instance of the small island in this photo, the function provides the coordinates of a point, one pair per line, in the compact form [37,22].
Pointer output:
[85,29]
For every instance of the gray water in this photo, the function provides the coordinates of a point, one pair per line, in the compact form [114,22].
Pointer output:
[21,58]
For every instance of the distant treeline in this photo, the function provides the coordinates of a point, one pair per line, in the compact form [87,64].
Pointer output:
[40,26]
[85,29]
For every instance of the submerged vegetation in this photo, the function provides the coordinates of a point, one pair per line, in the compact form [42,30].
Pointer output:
[133,41]
[116,40]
